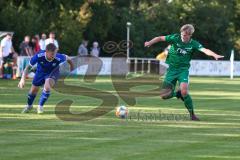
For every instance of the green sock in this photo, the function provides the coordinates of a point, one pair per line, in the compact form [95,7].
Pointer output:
[174,94]
[188,104]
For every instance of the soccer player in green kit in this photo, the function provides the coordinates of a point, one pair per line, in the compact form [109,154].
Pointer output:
[178,59]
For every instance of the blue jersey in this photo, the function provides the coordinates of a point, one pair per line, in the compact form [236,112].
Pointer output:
[45,66]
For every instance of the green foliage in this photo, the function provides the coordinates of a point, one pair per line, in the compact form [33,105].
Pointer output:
[34,17]
[69,30]
[216,22]
[100,23]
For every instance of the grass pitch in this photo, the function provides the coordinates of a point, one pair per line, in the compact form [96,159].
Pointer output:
[34,137]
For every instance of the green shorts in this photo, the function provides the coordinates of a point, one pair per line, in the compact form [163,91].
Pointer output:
[174,75]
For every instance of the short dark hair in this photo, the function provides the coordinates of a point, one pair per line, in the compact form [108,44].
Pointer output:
[51,47]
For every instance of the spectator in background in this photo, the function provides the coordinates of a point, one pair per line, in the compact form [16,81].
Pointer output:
[37,37]
[33,46]
[52,39]
[37,46]
[25,49]
[82,49]
[95,50]
[7,52]
[42,42]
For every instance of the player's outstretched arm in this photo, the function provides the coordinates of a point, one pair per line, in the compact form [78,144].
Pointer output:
[21,84]
[70,62]
[211,53]
[154,40]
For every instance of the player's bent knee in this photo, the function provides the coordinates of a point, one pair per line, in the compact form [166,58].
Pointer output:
[49,83]
[184,92]
[47,87]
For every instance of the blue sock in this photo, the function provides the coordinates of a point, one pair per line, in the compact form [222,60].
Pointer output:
[44,97]
[30,99]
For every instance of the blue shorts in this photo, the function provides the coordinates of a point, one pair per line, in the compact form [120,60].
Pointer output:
[39,78]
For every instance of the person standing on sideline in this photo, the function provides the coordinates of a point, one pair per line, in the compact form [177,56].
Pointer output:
[42,42]
[24,47]
[52,39]
[95,50]
[7,52]
[82,49]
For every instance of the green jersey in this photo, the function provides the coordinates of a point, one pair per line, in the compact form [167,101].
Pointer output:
[180,53]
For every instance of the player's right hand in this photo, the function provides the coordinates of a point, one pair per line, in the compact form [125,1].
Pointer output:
[147,44]
[21,84]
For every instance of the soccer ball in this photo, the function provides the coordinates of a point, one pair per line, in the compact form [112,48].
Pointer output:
[122,111]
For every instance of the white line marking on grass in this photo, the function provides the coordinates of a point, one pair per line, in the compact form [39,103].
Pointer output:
[217,134]
[218,156]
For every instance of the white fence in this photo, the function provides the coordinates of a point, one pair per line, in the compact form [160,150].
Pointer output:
[198,67]
[213,68]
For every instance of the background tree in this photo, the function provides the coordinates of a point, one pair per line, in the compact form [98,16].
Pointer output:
[216,22]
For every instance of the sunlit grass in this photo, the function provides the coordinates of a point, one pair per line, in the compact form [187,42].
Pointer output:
[34,137]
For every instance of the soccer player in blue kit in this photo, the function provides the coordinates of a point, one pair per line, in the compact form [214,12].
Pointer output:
[46,75]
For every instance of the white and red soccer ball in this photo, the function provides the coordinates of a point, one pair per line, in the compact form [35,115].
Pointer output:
[121,112]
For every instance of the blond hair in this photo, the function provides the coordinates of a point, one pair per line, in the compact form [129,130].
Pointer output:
[187,28]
